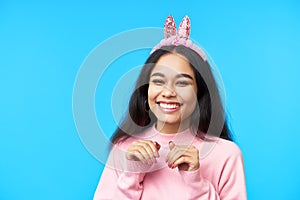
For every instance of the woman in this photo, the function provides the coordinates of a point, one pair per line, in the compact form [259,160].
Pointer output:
[174,143]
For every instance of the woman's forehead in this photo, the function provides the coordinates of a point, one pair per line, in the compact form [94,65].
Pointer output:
[173,64]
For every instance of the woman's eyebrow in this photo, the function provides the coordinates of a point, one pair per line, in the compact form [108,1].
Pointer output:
[158,74]
[185,76]
[177,76]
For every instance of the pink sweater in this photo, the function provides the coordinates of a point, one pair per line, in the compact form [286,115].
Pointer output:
[220,176]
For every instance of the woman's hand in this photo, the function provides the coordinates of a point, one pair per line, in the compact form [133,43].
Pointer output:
[184,157]
[145,151]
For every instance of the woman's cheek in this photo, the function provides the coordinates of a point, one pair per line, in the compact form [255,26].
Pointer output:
[187,93]
[153,92]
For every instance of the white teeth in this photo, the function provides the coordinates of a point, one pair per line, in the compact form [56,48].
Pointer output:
[168,106]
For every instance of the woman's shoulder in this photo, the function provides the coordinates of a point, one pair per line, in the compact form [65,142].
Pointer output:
[228,146]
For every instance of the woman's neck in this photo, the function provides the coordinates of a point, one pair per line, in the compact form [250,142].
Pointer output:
[171,128]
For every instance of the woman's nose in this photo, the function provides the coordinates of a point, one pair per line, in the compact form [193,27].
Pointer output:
[168,92]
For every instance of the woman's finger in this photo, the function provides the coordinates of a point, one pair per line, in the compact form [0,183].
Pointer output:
[143,150]
[175,153]
[180,160]
[135,155]
[150,147]
[184,157]
[186,163]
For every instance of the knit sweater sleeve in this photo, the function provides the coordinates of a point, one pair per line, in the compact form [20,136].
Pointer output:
[197,187]
[121,179]
[231,182]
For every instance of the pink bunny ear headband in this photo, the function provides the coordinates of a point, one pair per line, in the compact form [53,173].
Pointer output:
[179,38]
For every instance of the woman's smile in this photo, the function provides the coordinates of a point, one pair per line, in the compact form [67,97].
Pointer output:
[169,107]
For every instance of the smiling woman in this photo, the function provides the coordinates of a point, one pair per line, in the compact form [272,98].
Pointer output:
[175,114]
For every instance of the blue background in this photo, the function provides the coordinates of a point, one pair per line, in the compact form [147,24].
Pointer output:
[255,44]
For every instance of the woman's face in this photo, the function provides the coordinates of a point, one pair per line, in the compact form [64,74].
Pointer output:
[172,93]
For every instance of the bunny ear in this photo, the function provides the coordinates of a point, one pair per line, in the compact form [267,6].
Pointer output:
[184,28]
[170,27]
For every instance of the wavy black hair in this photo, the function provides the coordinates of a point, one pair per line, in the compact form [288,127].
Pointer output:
[208,118]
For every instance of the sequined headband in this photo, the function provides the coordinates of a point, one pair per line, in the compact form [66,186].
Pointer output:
[179,38]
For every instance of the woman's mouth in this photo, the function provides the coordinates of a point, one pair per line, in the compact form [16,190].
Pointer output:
[169,106]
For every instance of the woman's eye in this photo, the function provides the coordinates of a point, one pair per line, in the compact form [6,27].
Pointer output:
[182,83]
[158,82]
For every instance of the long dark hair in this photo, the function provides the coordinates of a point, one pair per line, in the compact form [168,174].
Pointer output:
[208,119]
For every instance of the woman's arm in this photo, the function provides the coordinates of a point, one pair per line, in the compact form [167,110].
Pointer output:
[113,186]
[231,179]
[125,170]
[118,180]
[231,184]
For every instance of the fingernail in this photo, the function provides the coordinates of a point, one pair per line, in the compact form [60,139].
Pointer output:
[157,145]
